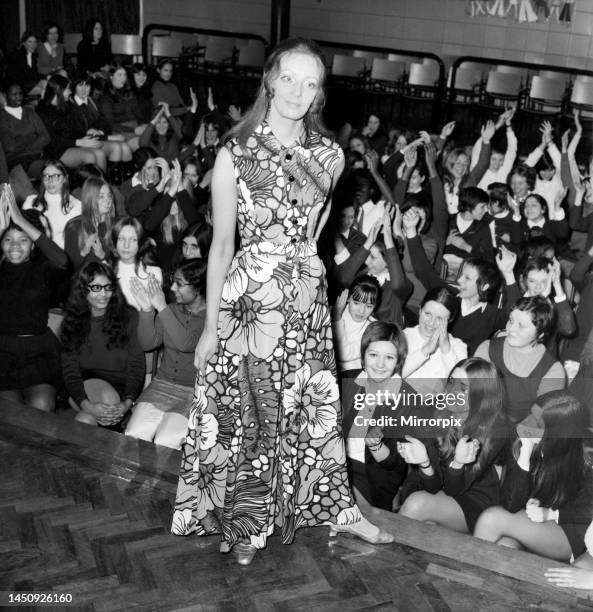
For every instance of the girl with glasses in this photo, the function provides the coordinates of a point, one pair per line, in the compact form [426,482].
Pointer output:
[30,265]
[54,200]
[103,364]
[162,411]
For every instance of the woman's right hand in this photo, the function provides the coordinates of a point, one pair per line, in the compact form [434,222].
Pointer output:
[373,233]
[205,349]
[140,295]
[430,346]
[340,305]
[413,451]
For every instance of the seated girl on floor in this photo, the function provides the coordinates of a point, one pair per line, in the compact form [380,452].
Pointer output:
[455,477]
[162,410]
[548,489]
[102,361]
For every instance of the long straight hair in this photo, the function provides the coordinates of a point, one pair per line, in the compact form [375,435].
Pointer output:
[257,113]
[40,202]
[486,420]
[557,465]
[90,217]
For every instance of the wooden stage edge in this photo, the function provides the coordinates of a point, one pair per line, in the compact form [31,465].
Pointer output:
[136,460]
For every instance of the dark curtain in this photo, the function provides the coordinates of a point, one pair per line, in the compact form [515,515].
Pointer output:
[118,16]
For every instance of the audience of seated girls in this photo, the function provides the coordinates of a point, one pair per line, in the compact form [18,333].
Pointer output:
[352,314]
[162,410]
[102,361]
[29,352]
[455,477]
[527,368]
[547,492]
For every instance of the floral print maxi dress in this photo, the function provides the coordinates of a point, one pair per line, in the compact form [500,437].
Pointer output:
[264,444]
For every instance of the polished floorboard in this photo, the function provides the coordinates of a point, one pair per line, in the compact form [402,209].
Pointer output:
[87,512]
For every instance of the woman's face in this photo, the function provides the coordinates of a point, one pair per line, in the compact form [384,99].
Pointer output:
[359,311]
[53,35]
[151,171]
[165,71]
[190,248]
[375,262]
[460,166]
[533,210]
[296,85]
[82,90]
[468,283]
[140,78]
[521,332]
[127,244]
[190,173]
[183,291]
[119,78]
[53,179]
[211,134]
[458,384]
[16,246]
[416,180]
[14,96]
[380,359]
[431,316]
[538,282]
[373,124]
[356,144]
[67,92]
[162,126]
[346,218]
[30,44]
[400,143]
[479,210]
[105,200]
[519,186]
[496,161]
[99,292]
[97,32]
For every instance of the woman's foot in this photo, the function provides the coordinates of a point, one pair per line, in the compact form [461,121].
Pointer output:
[362,529]
[244,553]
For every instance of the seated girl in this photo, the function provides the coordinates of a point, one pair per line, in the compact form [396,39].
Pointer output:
[547,491]
[87,236]
[539,219]
[456,480]
[54,200]
[131,253]
[162,410]
[381,260]
[163,133]
[528,369]
[374,469]
[30,265]
[196,241]
[477,288]
[432,350]
[102,361]
[352,315]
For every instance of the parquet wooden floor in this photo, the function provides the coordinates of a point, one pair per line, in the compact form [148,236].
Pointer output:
[69,527]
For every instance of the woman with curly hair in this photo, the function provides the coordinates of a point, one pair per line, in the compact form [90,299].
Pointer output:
[87,237]
[102,361]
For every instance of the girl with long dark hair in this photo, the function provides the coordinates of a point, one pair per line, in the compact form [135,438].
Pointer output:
[94,50]
[547,489]
[102,361]
[456,478]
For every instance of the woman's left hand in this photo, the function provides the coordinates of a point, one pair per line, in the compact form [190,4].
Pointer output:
[444,343]
[572,577]
[413,451]
[537,513]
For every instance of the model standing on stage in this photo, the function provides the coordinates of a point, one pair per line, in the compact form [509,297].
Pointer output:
[265,423]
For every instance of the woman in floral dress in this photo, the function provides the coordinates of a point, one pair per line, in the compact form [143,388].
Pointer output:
[264,446]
